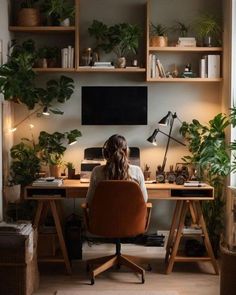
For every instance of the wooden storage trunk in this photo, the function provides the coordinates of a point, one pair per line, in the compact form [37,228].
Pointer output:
[18,263]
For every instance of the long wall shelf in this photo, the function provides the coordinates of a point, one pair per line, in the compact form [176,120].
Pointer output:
[184,80]
[91,70]
[185,49]
[42,29]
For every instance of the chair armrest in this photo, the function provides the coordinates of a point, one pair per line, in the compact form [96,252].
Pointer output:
[149,209]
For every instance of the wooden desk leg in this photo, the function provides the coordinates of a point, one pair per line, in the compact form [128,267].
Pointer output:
[38,213]
[206,237]
[60,235]
[177,238]
[193,212]
[175,221]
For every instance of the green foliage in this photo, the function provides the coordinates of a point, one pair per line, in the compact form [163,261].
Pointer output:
[26,163]
[48,52]
[28,3]
[70,165]
[51,146]
[122,39]
[208,148]
[207,25]
[158,30]
[181,28]
[17,80]
[60,9]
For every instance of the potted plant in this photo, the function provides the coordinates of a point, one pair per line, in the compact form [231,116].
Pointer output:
[47,57]
[209,150]
[208,29]
[52,148]
[158,35]
[60,11]
[71,170]
[181,28]
[28,15]
[17,80]
[122,39]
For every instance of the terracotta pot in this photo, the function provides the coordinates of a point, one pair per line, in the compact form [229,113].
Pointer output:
[28,17]
[55,171]
[159,41]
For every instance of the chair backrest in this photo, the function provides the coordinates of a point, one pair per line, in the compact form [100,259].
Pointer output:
[117,209]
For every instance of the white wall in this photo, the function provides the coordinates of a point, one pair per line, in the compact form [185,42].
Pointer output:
[201,101]
[5,37]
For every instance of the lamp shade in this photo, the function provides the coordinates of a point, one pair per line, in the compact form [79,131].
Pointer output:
[152,138]
[165,120]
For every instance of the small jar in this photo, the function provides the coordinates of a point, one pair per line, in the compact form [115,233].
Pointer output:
[87,57]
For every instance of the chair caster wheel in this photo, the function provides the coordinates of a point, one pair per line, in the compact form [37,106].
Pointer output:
[92,281]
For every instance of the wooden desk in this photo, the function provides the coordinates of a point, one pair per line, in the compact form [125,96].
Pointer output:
[187,198]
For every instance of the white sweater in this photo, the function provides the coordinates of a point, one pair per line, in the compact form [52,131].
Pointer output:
[98,175]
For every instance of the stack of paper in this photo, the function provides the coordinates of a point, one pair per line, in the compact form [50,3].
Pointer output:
[45,182]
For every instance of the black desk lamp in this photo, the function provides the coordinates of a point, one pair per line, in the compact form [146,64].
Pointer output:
[168,119]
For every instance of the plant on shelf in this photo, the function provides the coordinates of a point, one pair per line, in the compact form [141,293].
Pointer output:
[71,170]
[48,56]
[122,39]
[52,147]
[158,35]
[17,80]
[60,11]
[209,151]
[208,29]
[181,28]
[28,15]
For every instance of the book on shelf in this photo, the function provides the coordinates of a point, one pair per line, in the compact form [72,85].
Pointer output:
[45,182]
[67,57]
[210,66]
[156,67]
[194,183]
[192,230]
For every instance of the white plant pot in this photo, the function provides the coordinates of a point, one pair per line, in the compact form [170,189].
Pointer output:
[12,193]
[65,22]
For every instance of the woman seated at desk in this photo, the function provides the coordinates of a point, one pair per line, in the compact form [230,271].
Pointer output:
[117,167]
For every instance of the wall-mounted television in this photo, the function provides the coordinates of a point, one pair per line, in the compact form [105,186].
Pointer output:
[114,105]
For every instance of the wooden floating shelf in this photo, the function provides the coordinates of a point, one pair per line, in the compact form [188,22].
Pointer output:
[113,70]
[184,80]
[54,70]
[42,29]
[185,49]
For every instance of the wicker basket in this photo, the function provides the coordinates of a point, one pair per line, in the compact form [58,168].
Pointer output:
[28,17]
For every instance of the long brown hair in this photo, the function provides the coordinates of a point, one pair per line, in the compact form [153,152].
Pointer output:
[115,151]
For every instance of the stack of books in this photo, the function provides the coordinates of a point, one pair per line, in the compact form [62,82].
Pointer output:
[187,42]
[47,181]
[103,65]
[67,57]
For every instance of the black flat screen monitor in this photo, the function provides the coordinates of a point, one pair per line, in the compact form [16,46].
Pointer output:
[114,105]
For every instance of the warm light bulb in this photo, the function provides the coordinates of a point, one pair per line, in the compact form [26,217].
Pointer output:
[73,142]
[13,129]
[31,126]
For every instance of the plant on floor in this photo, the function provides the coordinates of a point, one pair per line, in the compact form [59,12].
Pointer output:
[209,150]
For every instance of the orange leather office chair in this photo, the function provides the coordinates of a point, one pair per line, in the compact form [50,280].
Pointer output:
[117,211]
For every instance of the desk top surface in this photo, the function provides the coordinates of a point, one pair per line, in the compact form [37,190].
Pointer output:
[76,189]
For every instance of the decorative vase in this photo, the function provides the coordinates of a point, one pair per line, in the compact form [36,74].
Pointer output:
[121,62]
[28,17]
[65,22]
[12,193]
[159,41]
[207,41]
